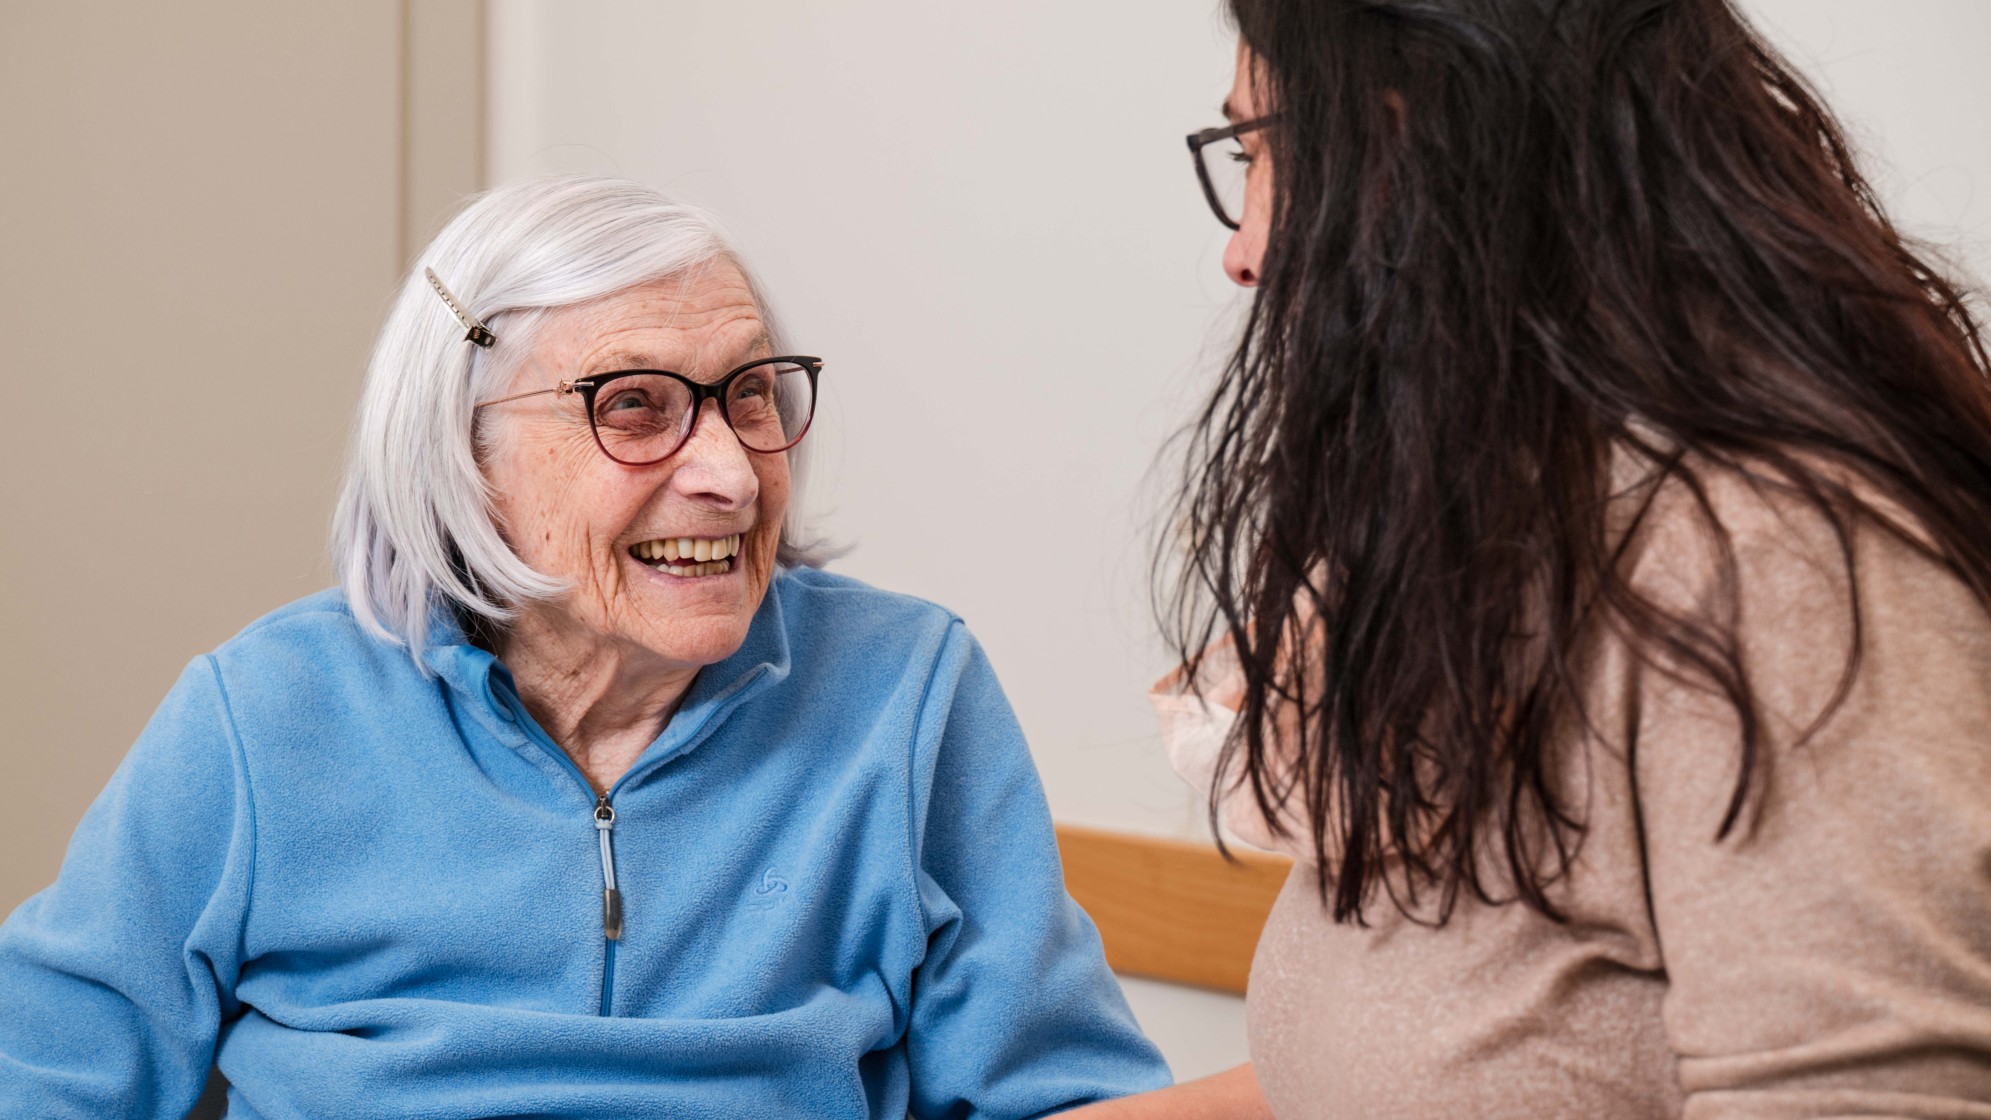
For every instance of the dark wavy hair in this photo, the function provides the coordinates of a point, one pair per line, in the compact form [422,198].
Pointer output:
[1511,238]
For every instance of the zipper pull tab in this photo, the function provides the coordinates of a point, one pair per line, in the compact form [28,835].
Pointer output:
[611,899]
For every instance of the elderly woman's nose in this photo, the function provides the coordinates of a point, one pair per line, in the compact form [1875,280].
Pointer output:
[713,465]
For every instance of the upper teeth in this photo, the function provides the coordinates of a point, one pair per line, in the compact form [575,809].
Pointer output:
[697,550]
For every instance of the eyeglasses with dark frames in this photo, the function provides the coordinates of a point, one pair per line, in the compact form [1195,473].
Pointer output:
[1220,182]
[643,416]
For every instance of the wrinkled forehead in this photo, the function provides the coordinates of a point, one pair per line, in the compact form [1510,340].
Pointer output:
[702,323]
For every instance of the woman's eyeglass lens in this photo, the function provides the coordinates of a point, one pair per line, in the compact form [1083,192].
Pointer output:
[642,417]
[1220,167]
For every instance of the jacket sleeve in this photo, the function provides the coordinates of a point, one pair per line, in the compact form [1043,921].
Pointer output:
[1014,1012]
[115,980]
[1831,955]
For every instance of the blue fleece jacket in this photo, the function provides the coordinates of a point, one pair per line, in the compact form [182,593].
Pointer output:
[370,891]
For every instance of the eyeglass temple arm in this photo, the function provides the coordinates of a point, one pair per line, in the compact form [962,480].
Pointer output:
[1226,132]
[563,387]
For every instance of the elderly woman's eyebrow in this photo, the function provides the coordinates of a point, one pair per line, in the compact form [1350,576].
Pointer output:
[610,361]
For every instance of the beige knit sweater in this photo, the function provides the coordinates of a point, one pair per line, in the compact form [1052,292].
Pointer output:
[1830,958]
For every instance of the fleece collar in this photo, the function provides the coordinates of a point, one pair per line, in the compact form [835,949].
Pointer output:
[483,686]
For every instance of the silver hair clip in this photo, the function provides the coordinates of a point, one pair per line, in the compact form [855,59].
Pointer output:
[477,332]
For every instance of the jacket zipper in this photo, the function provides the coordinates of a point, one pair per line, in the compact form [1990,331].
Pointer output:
[604,816]
[611,898]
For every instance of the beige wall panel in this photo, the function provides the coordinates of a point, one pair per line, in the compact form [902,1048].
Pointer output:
[443,126]
[200,223]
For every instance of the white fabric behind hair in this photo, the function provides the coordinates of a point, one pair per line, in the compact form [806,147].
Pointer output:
[415,524]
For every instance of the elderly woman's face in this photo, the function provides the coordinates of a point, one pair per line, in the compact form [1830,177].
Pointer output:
[571,512]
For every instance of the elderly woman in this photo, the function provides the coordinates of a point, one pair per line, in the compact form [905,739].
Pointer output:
[579,797]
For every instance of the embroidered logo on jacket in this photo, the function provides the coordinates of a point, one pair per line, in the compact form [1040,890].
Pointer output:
[770,891]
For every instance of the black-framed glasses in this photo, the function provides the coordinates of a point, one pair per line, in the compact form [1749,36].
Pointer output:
[643,416]
[1221,170]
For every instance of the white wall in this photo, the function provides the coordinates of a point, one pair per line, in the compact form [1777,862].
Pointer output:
[1912,81]
[984,218]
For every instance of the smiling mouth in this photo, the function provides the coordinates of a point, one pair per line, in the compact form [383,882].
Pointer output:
[689,556]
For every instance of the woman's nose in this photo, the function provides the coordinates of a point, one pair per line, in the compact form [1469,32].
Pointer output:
[1240,261]
[712,466]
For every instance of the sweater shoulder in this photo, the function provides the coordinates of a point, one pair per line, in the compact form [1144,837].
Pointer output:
[1704,531]
[311,645]
[842,612]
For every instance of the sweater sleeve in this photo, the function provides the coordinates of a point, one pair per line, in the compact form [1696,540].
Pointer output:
[115,980]
[1832,955]
[1014,1012]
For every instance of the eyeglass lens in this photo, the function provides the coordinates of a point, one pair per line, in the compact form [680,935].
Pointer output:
[1223,165]
[641,418]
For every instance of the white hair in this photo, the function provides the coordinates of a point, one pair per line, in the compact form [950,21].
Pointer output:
[415,525]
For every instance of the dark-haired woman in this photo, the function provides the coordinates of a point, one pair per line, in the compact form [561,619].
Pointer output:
[1595,523]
